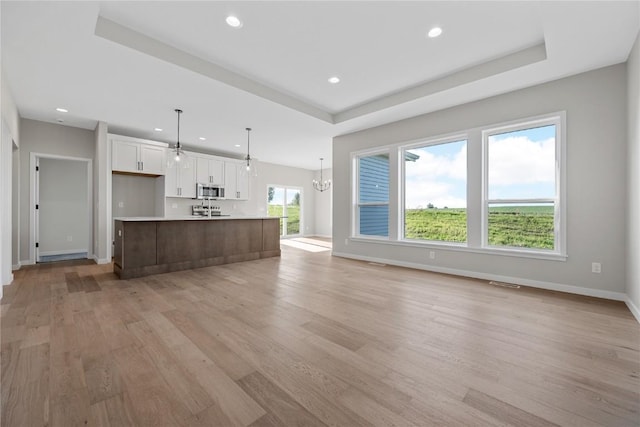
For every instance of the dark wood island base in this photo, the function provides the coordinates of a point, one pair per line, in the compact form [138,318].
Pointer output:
[153,246]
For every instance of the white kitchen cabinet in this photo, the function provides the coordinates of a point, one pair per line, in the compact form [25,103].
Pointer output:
[180,179]
[236,181]
[209,170]
[128,155]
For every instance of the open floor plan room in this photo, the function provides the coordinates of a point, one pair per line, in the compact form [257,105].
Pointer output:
[309,339]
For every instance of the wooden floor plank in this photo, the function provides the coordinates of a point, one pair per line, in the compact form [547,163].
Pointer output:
[284,409]
[309,339]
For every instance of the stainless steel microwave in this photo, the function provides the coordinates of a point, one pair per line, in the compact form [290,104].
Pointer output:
[208,192]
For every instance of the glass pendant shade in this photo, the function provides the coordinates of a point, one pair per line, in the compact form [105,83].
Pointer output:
[250,168]
[177,155]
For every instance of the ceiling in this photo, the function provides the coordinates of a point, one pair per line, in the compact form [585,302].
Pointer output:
[130,64]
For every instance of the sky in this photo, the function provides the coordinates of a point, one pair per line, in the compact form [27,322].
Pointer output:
[278,196]
[522,165]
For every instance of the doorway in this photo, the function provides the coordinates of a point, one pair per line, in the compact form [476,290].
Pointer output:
[286,203]
[62,214]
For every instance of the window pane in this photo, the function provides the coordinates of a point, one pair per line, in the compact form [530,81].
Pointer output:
[374,220]
[522,164]
[436,192]
[522,226]
[374,178]
[293,211]
[275,203]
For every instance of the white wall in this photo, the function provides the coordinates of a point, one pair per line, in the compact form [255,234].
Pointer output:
[64,207]
[101,193]
[46,138]
[633,173]
[133,195]
[595,103]
[15,209]
[9,139]
[324,217]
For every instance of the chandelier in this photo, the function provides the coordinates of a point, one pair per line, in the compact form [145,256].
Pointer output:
[322,185]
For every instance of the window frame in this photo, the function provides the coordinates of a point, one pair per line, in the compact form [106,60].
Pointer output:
[355,209]
[457,137]
[477,216]
[559,223]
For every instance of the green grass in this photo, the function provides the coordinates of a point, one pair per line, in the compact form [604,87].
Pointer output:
[293,217]
[514,226]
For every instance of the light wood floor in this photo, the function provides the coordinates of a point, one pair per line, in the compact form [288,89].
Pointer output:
[307,339]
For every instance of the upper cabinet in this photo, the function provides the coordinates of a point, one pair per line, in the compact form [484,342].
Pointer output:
[180,180]
[137,156]
[210,170]
[236,181]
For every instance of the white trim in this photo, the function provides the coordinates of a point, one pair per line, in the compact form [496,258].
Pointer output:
[616,296]
[284,223]
[462,247]
[100,260]
[33,156]
[26,262]
[17,266]
[136,140]
[632,308]
[559,120]
[66,252]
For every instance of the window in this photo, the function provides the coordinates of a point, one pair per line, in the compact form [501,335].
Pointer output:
[522,191]
[372,200]
[285,203]
[492,189]
[435,192]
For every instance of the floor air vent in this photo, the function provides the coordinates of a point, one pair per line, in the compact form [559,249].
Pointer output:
[504,285]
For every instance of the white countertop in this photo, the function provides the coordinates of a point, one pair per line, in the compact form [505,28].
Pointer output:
[188,218]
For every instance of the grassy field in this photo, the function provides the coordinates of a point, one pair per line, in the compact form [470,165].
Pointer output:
[516,226]
[293,217]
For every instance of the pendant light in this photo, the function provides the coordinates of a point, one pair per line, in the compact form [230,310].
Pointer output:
[251,167]
[177,151]
[322,185]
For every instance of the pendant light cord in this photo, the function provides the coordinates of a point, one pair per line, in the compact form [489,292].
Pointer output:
[178,140]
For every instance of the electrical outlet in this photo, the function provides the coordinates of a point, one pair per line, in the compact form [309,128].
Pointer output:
[174,206]
[346,241]
[69,238]
[596,267]
[432,254]
[121,204]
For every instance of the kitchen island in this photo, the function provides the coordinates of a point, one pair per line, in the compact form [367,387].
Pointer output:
[151,245]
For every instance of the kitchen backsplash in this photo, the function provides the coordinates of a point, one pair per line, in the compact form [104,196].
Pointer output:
[176,207]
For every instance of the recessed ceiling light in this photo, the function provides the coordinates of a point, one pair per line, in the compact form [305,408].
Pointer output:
[434,32]
[202,138]
[157,129]
[237,145]
[233,21]
[333,80]
[62,110]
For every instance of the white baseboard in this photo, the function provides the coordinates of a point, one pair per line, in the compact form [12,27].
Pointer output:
[17,266]
[325,236]
[27,262]
[633,308]
[100,260]
[64,252]
[616,296]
